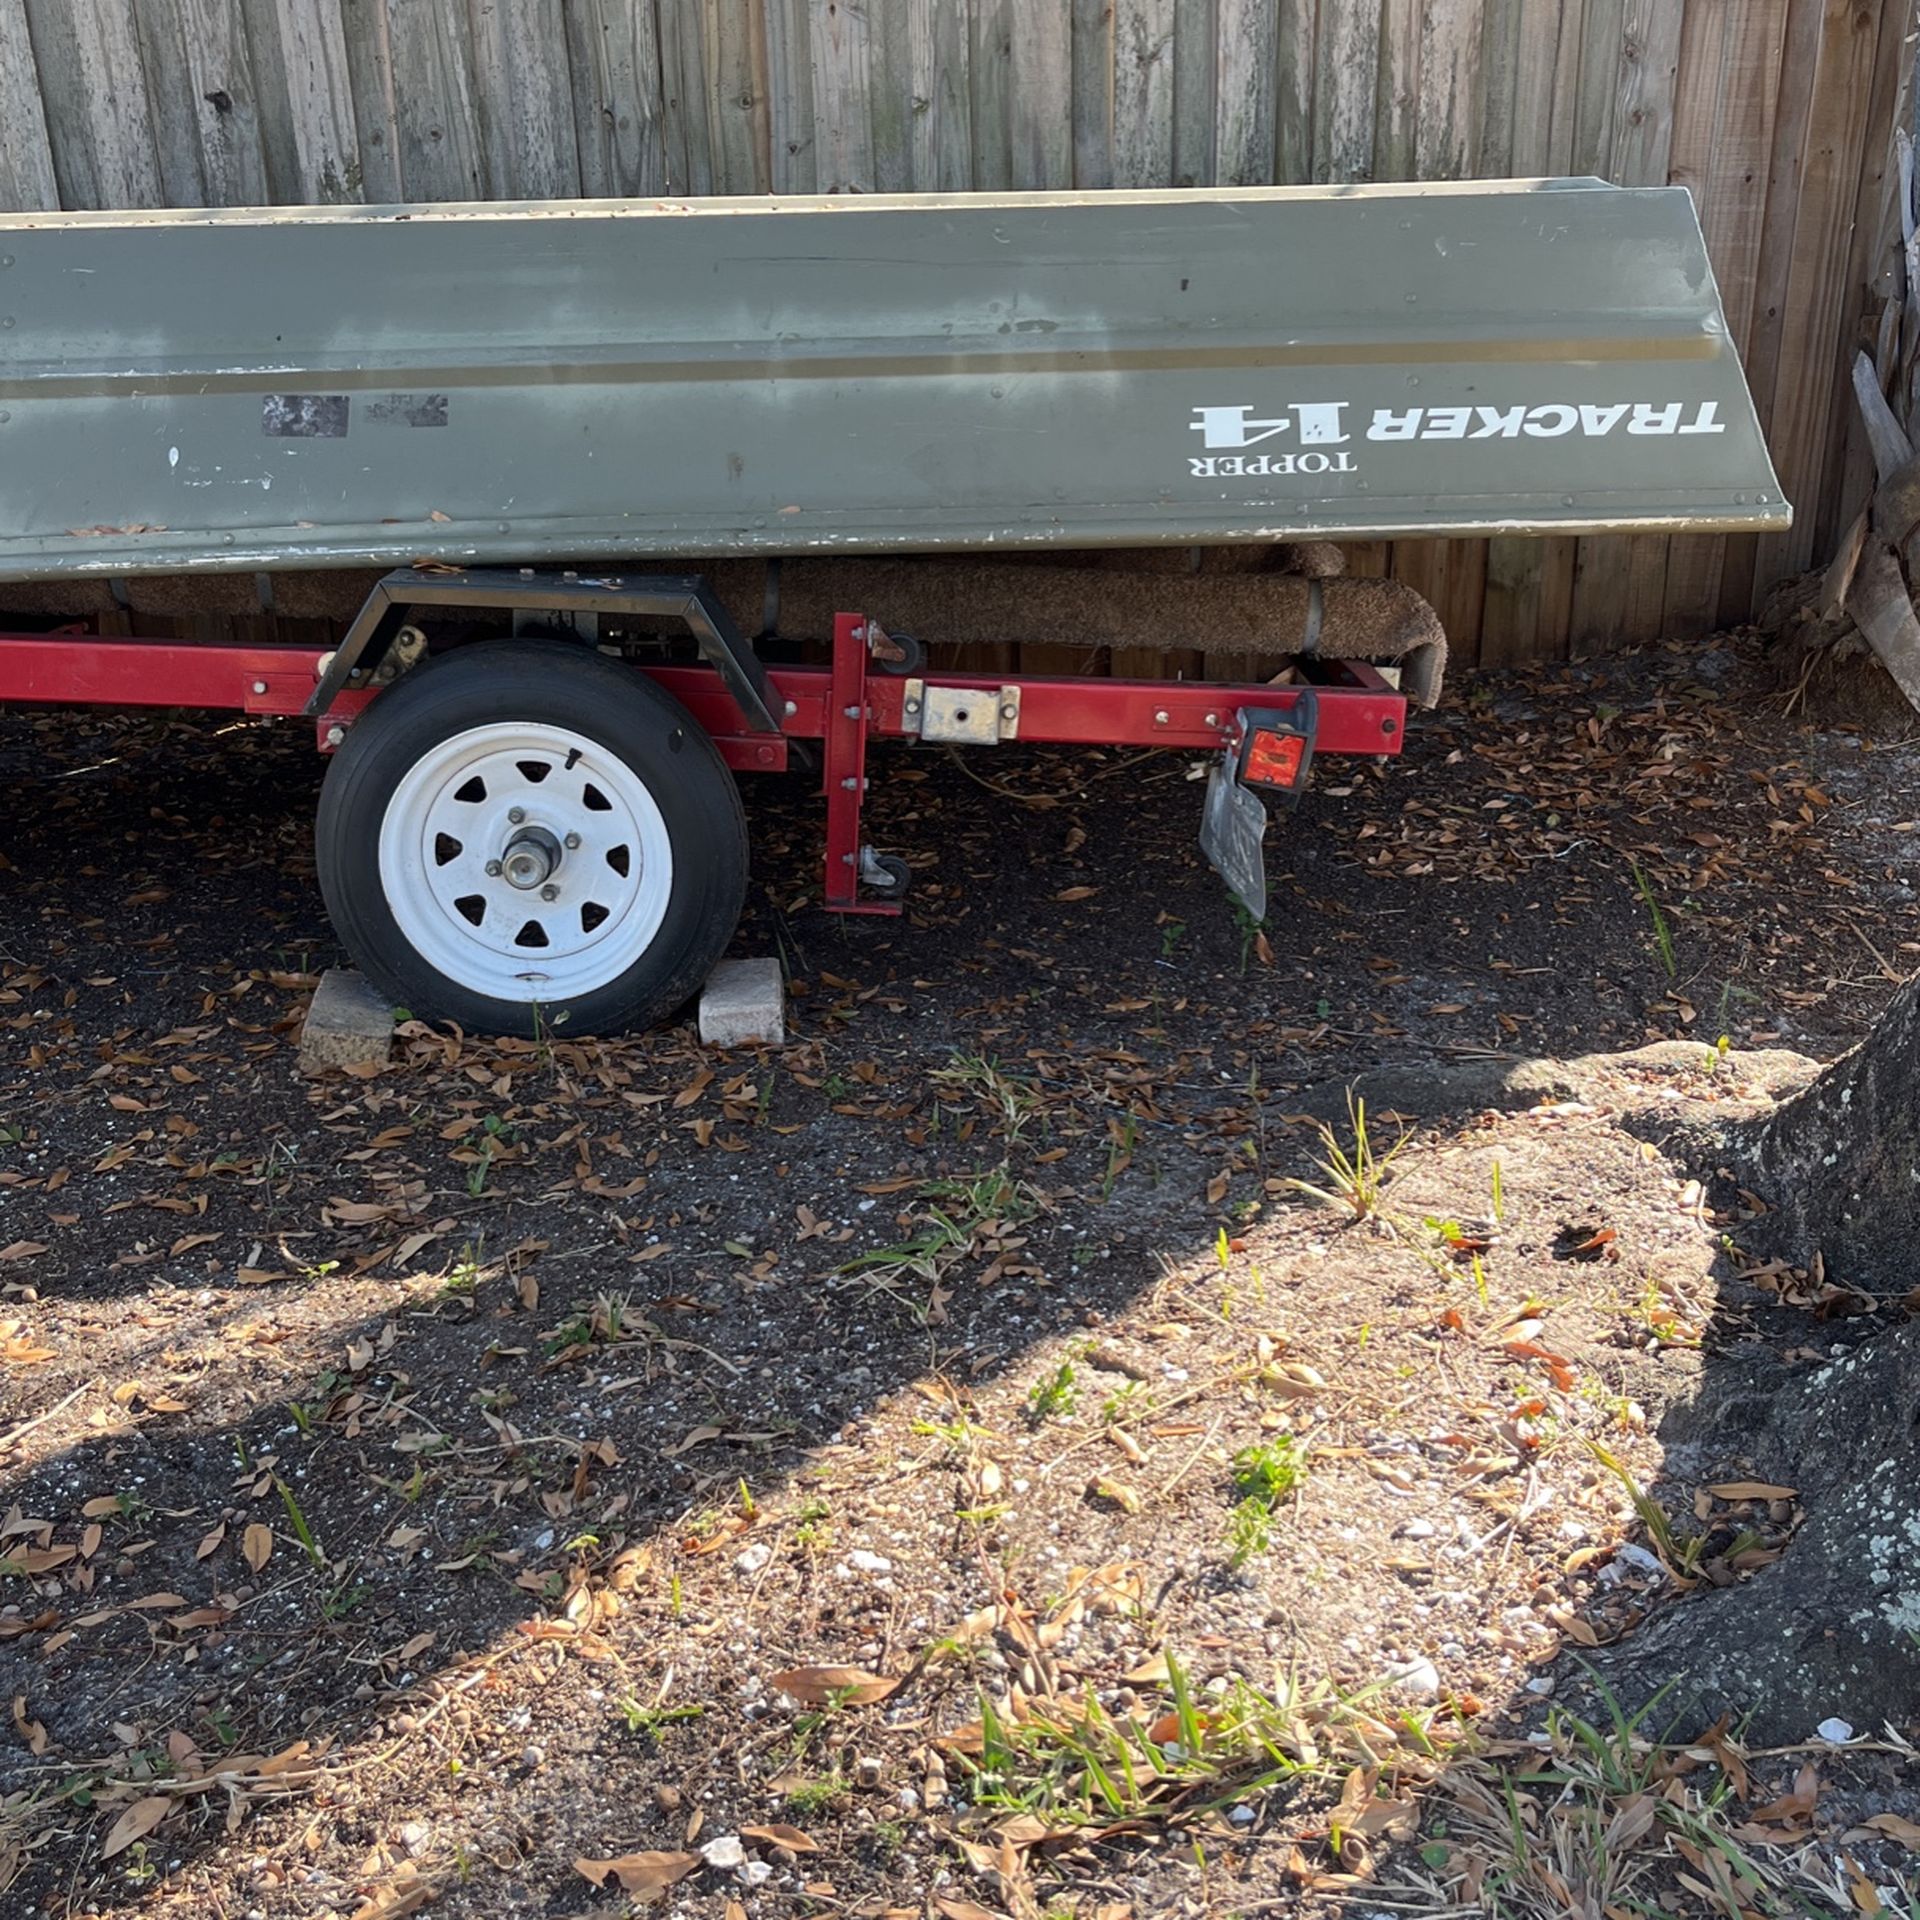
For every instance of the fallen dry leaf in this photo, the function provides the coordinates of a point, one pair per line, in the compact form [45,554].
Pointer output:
[822,1686]
[782,1835]
[404,1894]
[639,1872]
[256,1544]
[136,1823]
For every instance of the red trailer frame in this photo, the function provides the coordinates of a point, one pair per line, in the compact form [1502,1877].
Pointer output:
[1351,708]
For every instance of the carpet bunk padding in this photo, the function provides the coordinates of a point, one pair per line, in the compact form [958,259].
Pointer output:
[983,602]
[1141,599]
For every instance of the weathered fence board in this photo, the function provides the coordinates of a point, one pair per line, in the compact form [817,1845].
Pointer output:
[1776,113]
[26,159]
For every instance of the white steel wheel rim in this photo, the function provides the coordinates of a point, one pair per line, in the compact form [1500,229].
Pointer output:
[580,924]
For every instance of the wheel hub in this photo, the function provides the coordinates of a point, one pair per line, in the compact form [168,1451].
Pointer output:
[531,859]
[522,860]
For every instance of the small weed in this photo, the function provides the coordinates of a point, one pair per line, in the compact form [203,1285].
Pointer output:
[1070,1761]
[1052,1396]
[811,1798]
[463,1277]
[605,1323]
[345,1599]
[1601,1823]
[650,1720]
[1010,1099]
[1662,933]
[1172,932]
[545,1026]
[298,1521]
[963,1216]
[959,1433]
[1681,1556]
[1269,1471]
[1121,1137]
[813,1527]
[1249,1531]
[1263,1475]
[1357,1173]
[1250,931]
[473,1554]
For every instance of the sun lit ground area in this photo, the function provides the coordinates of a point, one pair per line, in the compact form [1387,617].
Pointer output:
[1040,1444]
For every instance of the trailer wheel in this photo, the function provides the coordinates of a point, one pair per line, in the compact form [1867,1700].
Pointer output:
[524,834]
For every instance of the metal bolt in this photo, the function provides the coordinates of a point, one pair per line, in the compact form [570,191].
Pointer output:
[573,840]
[849,786]
[516,814]
[1160,718]
[335,735]
[549,893]
[910,706]
[1213,719]
[850,713]
[790,709]
[259,686]
[1009,712]
[493,869]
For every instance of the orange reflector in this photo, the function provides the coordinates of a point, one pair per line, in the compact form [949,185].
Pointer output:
[1273,759]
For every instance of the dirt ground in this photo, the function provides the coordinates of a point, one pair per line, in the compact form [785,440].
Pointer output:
[942,1466]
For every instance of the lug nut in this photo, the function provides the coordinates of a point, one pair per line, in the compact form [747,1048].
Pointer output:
[493,869]
[573,840]
[516,814]
[549,893]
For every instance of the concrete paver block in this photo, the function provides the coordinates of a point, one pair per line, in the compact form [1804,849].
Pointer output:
[744,1004]
[348,1025]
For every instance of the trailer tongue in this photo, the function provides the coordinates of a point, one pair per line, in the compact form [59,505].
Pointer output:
[502,405]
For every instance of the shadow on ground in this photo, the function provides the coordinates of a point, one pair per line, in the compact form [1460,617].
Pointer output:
[582,1390]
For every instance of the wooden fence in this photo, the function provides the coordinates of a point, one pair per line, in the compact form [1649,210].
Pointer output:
[1777,113]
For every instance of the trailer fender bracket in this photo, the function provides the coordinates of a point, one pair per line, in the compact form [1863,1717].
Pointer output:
[960,716]
[688,598]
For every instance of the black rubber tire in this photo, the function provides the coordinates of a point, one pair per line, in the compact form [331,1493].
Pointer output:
[563,684]
[899,877]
